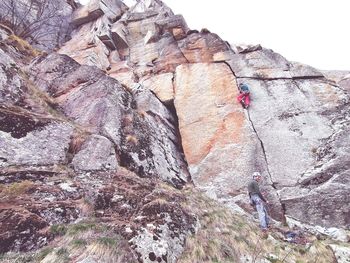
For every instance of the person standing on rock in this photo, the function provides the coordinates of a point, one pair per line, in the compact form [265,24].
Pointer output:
[244,95]
[257,199]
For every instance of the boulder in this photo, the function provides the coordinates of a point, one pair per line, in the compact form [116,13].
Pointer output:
[96,154]
[118,32]
[34,144]
[87,13]
[86,47]
[111,9]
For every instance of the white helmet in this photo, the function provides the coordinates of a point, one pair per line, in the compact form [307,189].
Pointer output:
[256,174]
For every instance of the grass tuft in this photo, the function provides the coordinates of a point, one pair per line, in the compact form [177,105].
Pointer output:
[15,189]
[22,46]
[58,230]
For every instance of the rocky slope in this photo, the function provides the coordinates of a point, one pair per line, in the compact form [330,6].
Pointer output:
[100,135]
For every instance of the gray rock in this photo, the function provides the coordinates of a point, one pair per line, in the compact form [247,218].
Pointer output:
[46,146]
[141,128]
[11,84]
[341,253]
[165,248]
[44,24]
[259,63]
[299,70]
[87,13]
[97,153]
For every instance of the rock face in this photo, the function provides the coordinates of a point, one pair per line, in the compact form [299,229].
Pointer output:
[141,135]
[70,137]
[289,103]
[145,44]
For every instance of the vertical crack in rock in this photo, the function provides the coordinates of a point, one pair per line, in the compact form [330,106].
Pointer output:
[264,153]
[267,164]
[283,209]
[263,149]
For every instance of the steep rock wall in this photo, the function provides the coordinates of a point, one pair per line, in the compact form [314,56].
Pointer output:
[295,116]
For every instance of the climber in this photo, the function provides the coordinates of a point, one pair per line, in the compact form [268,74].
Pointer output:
[244,95]
[257,200]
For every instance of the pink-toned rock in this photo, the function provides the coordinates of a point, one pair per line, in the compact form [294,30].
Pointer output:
[219,142]
[119,33]
[209,91]
[201,47]
[161,85]
[87,13]
[96,8]
[86,48]
[125,78]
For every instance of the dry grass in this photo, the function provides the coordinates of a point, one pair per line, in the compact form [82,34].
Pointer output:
[15,189]
[22,46]
[89,239]
[221,237]
[131,139]
[226,237]
[6,28]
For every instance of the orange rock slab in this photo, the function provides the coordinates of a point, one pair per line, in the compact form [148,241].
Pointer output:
[205,103]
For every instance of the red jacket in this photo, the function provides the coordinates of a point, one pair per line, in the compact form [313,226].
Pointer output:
[244,98]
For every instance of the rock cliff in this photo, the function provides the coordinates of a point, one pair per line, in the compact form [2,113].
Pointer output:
[293,133]
[135,107]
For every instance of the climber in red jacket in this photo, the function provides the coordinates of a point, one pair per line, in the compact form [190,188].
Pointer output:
[244,95]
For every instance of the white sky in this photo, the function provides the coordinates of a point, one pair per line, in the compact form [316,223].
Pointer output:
[314,32]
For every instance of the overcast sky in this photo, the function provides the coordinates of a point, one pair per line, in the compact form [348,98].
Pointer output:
[314,32]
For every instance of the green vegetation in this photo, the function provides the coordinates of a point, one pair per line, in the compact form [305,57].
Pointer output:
[58,230]
[107,241]
[79,243]
[74,229]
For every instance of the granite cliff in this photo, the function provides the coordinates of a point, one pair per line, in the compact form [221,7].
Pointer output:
[105,141]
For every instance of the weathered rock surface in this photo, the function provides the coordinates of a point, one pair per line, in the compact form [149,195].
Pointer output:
[289,103]
[77,143]
[46,146]
[342,254]
[219,143]
[143,133]
[136,208]
[223,144]
[71,147]
[96,153]
[147,40]
[342,78]
[161,85]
